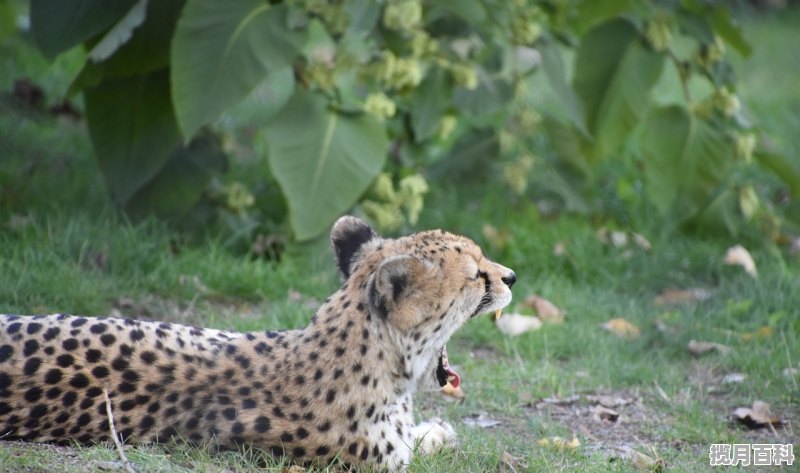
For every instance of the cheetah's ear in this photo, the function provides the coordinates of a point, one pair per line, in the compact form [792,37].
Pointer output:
[348,236]
[394,290]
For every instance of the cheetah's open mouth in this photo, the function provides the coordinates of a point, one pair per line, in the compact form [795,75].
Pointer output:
[445,374]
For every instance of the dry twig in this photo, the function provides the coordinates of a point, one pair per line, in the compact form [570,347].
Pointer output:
[114,436]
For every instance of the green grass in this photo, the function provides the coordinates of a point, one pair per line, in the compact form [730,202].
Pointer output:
[64,248]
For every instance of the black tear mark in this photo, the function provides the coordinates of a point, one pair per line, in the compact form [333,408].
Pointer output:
[399,284]
[349,244]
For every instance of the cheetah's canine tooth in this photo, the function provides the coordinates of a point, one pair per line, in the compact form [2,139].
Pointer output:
[498,313]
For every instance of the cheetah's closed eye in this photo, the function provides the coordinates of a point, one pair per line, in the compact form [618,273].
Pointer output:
[340,388]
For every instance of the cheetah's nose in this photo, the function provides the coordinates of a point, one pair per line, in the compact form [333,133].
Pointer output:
[510,279]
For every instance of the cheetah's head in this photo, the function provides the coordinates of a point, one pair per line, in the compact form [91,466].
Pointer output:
[425,285]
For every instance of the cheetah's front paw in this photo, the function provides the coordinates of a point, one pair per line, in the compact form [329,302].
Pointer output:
[433,435]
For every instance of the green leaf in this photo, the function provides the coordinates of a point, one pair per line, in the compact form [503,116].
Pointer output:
[58,25]
[782,167]
[120,33]
[322,160]
[614,74]
[553,66]
[722,213]
[363,15]
[725,27]
[685,159]
[179,184]
[491,95]
[146,51]
[429,103]
[471,11]
[8,19]
[591,12]
[469,157]
[132,128]
[221,51]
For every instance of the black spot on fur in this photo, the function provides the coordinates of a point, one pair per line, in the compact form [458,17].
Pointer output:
[65,360]
[34,328]
[100,372]
[51,333]
[79,381]
[31,366]
[262,424]
[6,351]
[69,344]
[93,356]
[53,376]
[33,394]
[108,339]
[148,357]
[98,328]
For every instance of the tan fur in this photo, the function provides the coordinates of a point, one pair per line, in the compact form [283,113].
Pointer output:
[340,388]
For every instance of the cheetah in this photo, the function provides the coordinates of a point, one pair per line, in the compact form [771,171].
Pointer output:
[338,390]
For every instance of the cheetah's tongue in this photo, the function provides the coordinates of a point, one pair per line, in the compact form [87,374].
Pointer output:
[451,380]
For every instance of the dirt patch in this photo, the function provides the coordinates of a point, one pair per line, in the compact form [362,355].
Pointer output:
[607,420]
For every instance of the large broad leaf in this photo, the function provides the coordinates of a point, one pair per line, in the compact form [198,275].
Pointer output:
[180,183]
[469,157]
[591,12]
[553,66]
[429,103]
[221,51]
[322,160]
[492,95]
[685,160]
[132,128]
[8,18]
[59,25]
[146,51]
[782,167]
[614,73]
[725,27]
[120,33]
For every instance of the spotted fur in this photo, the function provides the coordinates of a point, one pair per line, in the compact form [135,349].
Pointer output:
[340,388]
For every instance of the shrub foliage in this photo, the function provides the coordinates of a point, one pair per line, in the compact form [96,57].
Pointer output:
[433,84]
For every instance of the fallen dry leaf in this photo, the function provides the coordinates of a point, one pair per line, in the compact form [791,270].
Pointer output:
[516,324]
[602,413]
[559,443]
[733,378]
[642,242]
[622,328]
[481,420]
[758,416]
[762,333]
[294,469]
[560,249]
[739,256]
[560,400]
[618,239]
[641,461]
[682,296]
[700,348]
[545,310]
[608,401]
[510,463]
